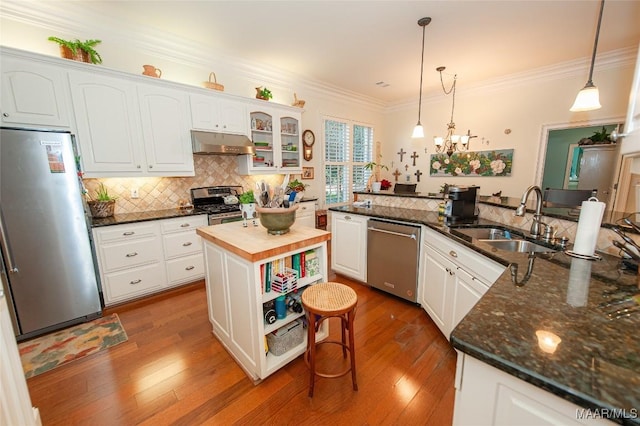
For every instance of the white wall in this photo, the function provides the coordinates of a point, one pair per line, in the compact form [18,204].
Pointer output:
[524,108]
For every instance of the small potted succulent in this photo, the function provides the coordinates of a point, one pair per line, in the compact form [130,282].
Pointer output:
[77,50]
[103,204]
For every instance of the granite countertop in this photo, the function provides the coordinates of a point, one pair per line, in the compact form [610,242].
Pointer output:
[253,243]
[120,219]
[597,363]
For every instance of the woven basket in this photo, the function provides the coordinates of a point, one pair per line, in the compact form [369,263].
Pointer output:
[102,208]
[213,84]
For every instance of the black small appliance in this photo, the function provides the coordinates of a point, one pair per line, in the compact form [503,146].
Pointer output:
[461,203]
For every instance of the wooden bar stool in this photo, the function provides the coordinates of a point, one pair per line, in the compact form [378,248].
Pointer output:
[322,301]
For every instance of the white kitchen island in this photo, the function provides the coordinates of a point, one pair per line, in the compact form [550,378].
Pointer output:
[236,260]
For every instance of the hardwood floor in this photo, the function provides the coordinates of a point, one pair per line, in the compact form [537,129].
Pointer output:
[172,370]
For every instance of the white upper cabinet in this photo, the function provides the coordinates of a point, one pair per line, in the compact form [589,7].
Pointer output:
[108,124]
[34,94]
[219,115]
[129,129]
[275,133]
[165,129]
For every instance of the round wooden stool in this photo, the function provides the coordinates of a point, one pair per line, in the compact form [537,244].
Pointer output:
[322,301]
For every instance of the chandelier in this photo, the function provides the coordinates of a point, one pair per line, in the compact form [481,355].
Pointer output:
[451,142]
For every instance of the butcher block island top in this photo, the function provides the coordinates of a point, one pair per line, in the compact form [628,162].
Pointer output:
[253,243]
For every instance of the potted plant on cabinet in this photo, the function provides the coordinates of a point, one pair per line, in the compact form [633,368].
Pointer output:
[263,93]
[248,207]
[374,180]
[103,205]
[77,50]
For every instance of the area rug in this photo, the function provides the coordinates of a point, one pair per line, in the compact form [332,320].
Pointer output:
[56,349]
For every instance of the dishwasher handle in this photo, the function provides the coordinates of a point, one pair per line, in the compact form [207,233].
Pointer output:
[399,234]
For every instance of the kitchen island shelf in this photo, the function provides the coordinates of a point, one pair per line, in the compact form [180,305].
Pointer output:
[302,282]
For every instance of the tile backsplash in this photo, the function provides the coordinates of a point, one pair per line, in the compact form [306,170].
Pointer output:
[159,193]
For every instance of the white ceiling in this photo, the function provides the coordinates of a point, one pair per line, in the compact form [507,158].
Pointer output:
[354,44]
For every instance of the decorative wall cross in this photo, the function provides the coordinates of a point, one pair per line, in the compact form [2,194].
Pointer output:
[406,167]
[396,174]
[417,174]
[401,152]
[414,156]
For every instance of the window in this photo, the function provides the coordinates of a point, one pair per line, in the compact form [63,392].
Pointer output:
[348,147]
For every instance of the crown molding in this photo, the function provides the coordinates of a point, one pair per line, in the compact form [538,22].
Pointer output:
[78,18]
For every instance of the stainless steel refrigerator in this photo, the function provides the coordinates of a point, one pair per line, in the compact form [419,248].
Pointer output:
[48,263]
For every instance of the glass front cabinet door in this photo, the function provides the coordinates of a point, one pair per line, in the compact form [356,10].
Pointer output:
[275,135]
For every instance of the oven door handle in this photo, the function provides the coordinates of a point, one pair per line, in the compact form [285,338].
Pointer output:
[399,234]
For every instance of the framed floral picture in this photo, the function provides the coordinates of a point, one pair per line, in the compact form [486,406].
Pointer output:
[478,163]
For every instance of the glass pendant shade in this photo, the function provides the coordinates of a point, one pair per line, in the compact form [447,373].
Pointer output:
[418,131]
[588,99]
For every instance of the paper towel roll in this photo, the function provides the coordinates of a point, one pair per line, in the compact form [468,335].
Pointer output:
[588,227]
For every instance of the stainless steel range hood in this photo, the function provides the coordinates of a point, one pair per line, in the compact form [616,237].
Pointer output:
[213,143]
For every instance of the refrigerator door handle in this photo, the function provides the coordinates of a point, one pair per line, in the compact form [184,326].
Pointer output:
[5,247]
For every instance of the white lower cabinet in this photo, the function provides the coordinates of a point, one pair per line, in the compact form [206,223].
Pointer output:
[143,258]
[306,214]
[349,245]
[452,280]
[488,396]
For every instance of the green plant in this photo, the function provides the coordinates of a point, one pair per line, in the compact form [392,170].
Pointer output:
[247,197]
[370,165]
[265,93]
[102,194]
[296,185]
[86,46]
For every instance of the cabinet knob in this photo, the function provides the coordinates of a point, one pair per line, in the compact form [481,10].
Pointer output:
[151,166]
[453,254]
[132,254]
[134,282]
[187,244]
[224,127]
[126,234]
[185,225]
[138,166]
[189,268]
[347,218]
[5,114]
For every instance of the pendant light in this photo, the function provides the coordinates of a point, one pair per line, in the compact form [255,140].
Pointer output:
[588,98]
[418,131]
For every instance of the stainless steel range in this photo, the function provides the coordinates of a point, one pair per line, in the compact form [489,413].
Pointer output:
[220,202]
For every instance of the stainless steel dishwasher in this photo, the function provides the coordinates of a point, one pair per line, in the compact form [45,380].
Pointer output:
[393,252]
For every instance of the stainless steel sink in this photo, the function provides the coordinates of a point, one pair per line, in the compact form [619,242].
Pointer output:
[518,245]
[488,233]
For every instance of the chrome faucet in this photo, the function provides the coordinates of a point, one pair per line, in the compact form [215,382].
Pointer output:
[537,222]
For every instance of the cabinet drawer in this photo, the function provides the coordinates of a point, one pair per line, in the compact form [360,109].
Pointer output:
[306,209]
[126,232]
[183,223]
[185,269]
[479,265]
[181,243]
[134,282]
[132,253]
